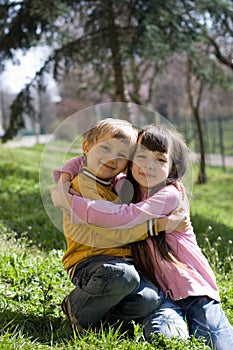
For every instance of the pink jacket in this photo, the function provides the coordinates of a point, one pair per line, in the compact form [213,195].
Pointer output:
[177,282]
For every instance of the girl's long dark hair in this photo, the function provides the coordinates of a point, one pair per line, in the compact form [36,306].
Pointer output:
[164,140]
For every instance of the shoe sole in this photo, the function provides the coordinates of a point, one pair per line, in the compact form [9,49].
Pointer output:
[71,319]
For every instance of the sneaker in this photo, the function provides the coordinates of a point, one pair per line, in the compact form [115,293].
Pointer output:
[66,308]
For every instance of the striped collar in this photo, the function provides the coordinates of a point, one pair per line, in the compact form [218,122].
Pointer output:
[103,182]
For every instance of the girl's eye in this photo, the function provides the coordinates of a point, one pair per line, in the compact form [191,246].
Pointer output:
[121,156]
[162,160]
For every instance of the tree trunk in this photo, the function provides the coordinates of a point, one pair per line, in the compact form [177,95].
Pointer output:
[195,106]
[116,55]
[202,170]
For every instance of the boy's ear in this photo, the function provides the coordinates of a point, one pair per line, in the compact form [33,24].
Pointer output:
[85,147]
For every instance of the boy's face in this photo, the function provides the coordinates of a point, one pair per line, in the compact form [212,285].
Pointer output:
[108,156]
[149,168]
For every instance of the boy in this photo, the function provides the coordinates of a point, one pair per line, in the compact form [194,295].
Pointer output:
[108,287]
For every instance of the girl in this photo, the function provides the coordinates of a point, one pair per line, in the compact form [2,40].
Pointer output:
[172,260]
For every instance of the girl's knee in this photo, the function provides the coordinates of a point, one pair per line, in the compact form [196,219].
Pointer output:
[166,323]
[149,301]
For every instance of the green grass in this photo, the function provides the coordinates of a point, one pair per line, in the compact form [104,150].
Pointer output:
[33,281]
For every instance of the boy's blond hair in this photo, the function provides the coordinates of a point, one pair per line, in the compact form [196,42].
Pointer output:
[118,128]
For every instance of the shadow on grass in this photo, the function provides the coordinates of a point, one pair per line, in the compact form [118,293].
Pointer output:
[211,229]
[47,329]
[25,215]
[43,329]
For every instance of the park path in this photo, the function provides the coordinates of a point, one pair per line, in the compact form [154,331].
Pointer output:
[29,141]
[214,159]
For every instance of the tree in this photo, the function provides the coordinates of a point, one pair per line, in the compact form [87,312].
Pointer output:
[195,102]
[215,25]
[113,38]
[203,73]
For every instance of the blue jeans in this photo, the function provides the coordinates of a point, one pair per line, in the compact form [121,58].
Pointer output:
[110,289]
[200,316]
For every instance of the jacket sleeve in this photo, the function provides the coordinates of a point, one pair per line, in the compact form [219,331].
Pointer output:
[71,167]
[108,214]
[106,237]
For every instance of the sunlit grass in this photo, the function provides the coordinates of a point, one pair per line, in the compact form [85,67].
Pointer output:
[33,282]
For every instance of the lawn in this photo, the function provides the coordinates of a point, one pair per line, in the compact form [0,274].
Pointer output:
[33,282]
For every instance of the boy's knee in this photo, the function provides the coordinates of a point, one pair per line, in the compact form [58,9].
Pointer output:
[121,277]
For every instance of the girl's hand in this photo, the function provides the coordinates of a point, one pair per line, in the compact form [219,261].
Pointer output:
[61,199]
[65,184]
[73,192]
[178,220]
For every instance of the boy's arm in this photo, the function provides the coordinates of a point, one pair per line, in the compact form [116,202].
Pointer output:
[99,237]
[105,238]
[178,220]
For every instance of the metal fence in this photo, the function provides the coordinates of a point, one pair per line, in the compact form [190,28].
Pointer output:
[218,138]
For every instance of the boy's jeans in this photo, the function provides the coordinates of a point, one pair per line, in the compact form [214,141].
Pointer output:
[200,316]
[110,289]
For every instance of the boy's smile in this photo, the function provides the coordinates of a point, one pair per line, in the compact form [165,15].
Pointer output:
[108,156]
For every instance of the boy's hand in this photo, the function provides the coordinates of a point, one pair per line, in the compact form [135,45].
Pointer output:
[178,220]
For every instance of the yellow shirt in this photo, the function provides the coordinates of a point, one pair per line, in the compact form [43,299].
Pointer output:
[83,240]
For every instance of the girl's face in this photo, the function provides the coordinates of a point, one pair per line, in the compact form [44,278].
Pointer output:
[150,168]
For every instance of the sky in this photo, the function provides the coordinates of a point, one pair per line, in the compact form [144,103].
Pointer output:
[15,77]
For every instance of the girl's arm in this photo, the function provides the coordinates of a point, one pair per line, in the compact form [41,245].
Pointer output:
[108,214]
[177,220]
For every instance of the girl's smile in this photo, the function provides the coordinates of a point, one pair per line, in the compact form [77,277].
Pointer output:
[150,168]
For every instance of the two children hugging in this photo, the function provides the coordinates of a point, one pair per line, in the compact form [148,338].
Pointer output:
[171,259]
[108,286]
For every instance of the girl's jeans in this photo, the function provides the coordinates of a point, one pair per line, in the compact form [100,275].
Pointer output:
[200,316]
[110,289]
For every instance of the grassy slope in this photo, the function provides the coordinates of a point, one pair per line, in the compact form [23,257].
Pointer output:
[33,282]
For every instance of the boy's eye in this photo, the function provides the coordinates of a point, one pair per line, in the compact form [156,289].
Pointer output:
[104,147]
[162,160]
